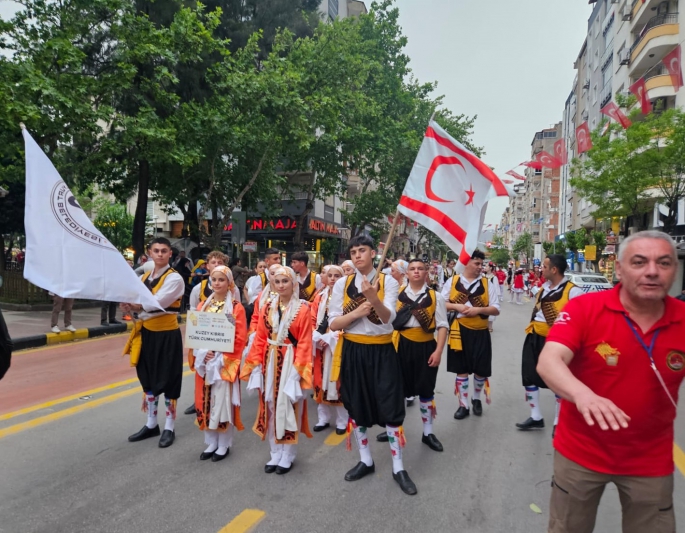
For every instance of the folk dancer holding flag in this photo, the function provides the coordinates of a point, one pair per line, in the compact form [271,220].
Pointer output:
[470,347]
[551,300]
[217,389]
[155,345]
[363,306]
[279,366]
[326,392]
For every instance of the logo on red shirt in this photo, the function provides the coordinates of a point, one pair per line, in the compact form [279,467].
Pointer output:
[675,361]
[563,318]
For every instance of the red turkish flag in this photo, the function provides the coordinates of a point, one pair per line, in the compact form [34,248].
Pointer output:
[531,164]
[515,175]
[672,63]
[583,139]
[560,151]
[613,111]
[639,89]
[547,160]
[448,191]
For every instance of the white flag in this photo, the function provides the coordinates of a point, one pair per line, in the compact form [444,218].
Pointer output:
[65,253]
[448,191]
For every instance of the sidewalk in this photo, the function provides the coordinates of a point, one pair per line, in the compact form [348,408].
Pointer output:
[29,323]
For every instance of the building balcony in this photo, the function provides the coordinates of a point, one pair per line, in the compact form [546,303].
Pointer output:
[659,36]
[643,11]
[658,83]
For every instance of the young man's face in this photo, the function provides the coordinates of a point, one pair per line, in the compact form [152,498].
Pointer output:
[474,268]
[362,257]
[160,254]
[298,266]
[273,259]
[213,263]
[416,272]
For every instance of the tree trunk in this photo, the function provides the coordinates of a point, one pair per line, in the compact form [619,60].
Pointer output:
[192,221]
[140,217]
[298,240]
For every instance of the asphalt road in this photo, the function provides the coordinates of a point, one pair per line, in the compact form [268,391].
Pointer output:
[67,466]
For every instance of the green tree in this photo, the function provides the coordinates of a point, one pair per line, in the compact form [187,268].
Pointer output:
[523,247]
[499,253]
[114,222]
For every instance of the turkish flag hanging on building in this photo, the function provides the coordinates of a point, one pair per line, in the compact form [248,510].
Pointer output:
[639,89]
[515,175]
[560,151]
[583,138]
[672,63]
[547,160]
[613,111]
[448,191]
[531,164]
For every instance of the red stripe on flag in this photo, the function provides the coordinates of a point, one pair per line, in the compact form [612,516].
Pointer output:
[481,167]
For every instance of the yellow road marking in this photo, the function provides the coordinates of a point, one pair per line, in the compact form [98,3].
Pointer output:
[244,522]
[334,439]
[679,458]
[73,397]
[17,428]
[53,346]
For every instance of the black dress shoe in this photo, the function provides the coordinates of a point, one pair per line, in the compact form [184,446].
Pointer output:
[531,424]
[477,407]
[405,482]
[144,433]
[104,324]
[216,457]
[269,469]
[167,438]
[382,437]
[432,442]
[321,428]
[190,411]
[360,471]
[114,322]
[280,470]
[206,455]
[340,431]
[461,413]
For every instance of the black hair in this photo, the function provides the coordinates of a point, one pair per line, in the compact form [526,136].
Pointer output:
[477,254]
[233,262]
[361,240]
[159,240]
[416,260]
[558,261]
[300,256]
[272,251]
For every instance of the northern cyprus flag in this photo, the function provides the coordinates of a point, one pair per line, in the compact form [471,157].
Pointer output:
[65,253]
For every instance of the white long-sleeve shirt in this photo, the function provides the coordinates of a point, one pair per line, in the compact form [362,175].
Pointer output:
[254,286]
[319,283]
[548,289]
[470,286]
[364,326]
[440,309]
[171,290]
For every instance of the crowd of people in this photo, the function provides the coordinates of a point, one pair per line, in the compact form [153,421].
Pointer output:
[362,342]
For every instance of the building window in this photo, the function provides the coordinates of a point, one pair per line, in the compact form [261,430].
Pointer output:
[549,134]
[538,172]
[333,9]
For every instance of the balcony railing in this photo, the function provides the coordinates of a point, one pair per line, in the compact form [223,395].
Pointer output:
[658,70]
[659,20]
[606,95]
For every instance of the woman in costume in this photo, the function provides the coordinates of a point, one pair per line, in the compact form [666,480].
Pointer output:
[326,392]
[519,287]
[279,365]
[398,270]
[217,391]
[348,267]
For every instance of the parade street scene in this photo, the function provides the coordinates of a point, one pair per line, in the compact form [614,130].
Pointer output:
[342,265]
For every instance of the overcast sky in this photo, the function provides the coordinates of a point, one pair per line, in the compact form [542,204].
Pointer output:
[510,62]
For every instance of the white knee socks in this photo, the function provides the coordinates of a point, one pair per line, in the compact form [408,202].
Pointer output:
[533,399]
[150,407]
[395,440]
[170,414]
[362,444]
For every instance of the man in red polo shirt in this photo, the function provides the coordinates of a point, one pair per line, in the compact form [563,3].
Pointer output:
[619,356]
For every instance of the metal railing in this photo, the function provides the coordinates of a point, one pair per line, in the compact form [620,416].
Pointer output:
[659,20]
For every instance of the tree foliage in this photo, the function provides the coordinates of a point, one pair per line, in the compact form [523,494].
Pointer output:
[114,222]
[523,247]
[499,253]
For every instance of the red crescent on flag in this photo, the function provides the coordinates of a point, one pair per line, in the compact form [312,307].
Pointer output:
[437,162]
[481,167]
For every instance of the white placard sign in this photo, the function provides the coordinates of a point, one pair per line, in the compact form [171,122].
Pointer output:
[209,331]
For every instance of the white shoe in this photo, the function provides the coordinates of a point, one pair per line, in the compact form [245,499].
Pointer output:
[55,329]
[70,328]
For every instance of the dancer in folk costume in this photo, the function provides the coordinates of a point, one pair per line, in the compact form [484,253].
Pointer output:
[279,365]
[326,392]
[348,267]
[263,300]
[363,306]
[494,281]
[470,347]
[217,389]
[518,287]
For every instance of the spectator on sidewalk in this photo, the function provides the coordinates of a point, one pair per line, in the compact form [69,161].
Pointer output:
[6,345]
[108,310]
[239,272]
[61,304]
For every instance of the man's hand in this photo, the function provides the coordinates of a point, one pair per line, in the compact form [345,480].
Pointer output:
[434,359]
[370,291]
[604,411]
[470,311]
[209,357]
[126,308]
[364,310]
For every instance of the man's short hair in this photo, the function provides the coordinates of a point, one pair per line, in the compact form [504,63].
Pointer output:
[648,234]
[217,255]
[416,260]
[160,240]
[477,254]
[558,261]
[300,256]
[272,251]
[361,240]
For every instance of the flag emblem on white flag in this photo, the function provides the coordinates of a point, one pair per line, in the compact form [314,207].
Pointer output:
[65,253]
[448,191]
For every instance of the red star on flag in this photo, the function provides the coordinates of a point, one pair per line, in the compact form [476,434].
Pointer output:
[471,193]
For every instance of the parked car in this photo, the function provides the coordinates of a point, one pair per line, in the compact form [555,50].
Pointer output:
[589,282]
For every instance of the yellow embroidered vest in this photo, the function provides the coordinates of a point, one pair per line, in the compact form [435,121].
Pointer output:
[478,298]
[353,299]
[551,305]
[308,288]
[424,314]
[155,285]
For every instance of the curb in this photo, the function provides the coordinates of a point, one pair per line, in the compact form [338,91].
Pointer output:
[51,339]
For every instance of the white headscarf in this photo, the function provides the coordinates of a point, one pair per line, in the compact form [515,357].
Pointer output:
[228,306]
[401,265]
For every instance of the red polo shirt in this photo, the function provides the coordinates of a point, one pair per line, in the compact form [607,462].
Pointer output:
[609,359]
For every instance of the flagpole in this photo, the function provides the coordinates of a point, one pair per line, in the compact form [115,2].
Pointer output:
[388,241]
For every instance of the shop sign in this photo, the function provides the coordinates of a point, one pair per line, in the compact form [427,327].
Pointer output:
[322,226]
[263,224]
[250,246]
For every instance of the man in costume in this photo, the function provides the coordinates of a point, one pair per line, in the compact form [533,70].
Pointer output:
[279,366]
[551,300]
[420,312]
[326,392]
[309,282]
[469,346]
[363,306]
[155,345]
[492,280]
[217,389]
[255,284]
